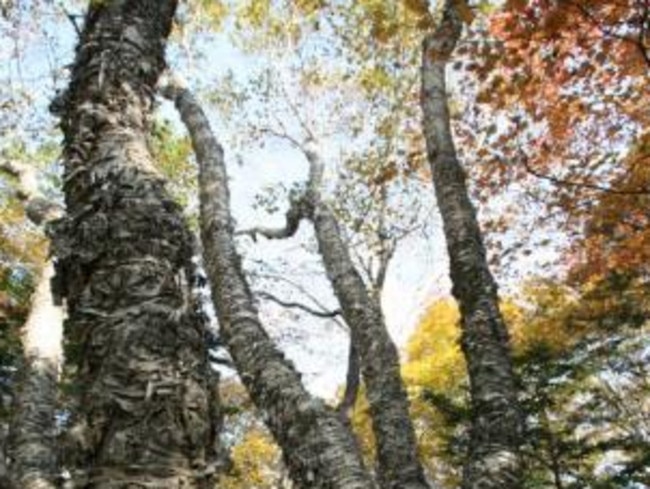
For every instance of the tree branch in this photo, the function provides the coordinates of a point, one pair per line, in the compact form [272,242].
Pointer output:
[523,159]
[327,314]
[305,292]
[298,210]
[71,17]
[282,135]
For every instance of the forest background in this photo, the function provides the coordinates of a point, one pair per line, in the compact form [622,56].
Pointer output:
[549,106]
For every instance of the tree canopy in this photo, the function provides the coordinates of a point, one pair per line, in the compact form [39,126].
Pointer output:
[530,117]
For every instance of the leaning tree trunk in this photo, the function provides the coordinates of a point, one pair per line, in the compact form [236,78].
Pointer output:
[398,465]
[124,265]
[33,440]
[493,460]
[318,449]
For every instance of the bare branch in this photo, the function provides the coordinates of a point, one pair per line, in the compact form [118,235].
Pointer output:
[296,113]
[284,136]
[352,379]
[308,149]
[297,211]
[305,292]
[327,314]
[71,17]
[523,159]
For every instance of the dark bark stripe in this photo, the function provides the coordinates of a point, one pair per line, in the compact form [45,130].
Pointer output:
[493,460]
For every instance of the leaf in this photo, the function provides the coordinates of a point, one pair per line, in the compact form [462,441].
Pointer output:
[464,11]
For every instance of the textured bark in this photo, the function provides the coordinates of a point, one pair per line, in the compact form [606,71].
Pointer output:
[318,450]
[493,460]
[398,465]
[124,265]
[33,444]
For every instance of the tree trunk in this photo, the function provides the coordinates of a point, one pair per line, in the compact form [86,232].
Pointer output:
[124,265]
[33,425]
[318,450]
[398,465]
[33,442]
[496,431]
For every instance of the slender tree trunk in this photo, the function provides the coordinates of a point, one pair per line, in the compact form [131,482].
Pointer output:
[33,425]
[496,431]
[398,465]
[124,265]
[318,449]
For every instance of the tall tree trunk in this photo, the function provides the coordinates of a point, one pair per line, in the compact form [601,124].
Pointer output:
[33,444]
[318,449]
[124,265]
[496,431]
[398,465]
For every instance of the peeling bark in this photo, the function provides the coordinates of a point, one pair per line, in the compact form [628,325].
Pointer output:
[496,431]
[318,450]
[33,442]
[124,265]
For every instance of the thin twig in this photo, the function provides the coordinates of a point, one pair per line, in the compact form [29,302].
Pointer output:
[570,183]
[305,292]
[327,314]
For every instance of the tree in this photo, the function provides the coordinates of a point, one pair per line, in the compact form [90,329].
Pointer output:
[124,267]
[33,425]
[497,419]
[548,116]
[33,444]
[397,460]
[553,100]
[318,449]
